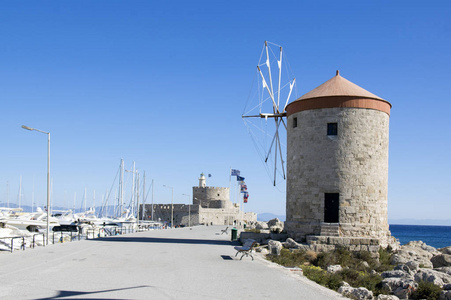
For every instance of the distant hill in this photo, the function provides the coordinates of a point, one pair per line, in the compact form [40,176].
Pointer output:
[265,217]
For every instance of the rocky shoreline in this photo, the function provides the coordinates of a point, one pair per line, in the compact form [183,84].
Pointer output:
[414,264]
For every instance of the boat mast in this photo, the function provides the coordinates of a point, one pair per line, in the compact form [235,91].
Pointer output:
[7,193]
[151,213]
[144,195]
[137,198]
[20,190]
[121,190]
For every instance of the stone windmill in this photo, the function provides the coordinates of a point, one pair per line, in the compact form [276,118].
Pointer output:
[337,165]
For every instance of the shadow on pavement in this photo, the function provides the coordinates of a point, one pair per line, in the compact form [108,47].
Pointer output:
[85,295]
[163,240]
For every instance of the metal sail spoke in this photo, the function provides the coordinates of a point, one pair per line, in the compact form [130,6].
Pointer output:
[279,64]
[268,65]
[289,94]
[274,91]
[265,85]
[270,147]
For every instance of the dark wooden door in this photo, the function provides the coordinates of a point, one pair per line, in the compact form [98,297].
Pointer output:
[331,207]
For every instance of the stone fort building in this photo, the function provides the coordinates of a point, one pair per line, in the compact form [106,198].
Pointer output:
[210,205]
[337,166]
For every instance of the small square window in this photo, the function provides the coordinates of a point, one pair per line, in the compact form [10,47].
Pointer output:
[295,122]
[332,128]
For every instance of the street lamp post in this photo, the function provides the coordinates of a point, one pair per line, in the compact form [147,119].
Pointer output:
[189,210]
[172,204]
[48,176]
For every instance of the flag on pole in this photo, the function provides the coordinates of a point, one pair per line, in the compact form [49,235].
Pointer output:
[235,172]
[245,197]
[239,178]
[243,187]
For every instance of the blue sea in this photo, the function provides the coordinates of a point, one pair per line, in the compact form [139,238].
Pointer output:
[435,236]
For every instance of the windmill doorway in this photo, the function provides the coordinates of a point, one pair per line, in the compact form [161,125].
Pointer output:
[331,207]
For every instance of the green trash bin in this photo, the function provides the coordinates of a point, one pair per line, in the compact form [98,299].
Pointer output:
[234,234]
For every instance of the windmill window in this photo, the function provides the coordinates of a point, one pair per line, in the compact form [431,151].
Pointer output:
[295,122]
[332,128]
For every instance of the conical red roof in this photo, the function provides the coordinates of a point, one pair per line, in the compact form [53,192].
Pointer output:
[338,86]
[338,92]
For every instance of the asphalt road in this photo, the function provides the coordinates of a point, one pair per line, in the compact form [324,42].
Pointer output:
[162,264]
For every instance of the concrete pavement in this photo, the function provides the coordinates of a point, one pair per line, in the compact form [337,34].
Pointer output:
[162,264]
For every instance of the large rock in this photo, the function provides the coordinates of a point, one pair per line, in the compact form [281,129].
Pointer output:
[446,250]
[261,225]
[387,297]
[400,287]
[446,270]
[290,243]
[445,295]
[334,269]
[410,267]
[275,225]
[409,253]
[447,286]
[274,247]
[436,277]
[397,274]
[441,260]
[405,292]
[423,246]
[355,293]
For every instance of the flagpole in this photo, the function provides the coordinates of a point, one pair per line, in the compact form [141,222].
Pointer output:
[230,182]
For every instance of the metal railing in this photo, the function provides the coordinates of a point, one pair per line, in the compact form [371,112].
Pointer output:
[64,236]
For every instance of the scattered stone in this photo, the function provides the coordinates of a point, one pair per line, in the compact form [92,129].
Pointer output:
[405,291]
[441,260]
[345,290]
[334,269]
[423,246]
[355,293]
[365,264]
[436,277]
[446,250]
[399,286]
[445,295]
[413,266]
[408,253]
[275,225]
[397,274]
[344,283]
[261,225]
[405,268]
[274,247]
[446,270]
[290,243]
[447,286]
[387,297]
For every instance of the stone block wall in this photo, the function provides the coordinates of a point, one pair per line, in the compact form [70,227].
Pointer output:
[354,163]
[211,197]
[199,215]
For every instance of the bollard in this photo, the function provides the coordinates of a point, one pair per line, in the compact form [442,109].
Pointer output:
[62,240]
[23,243]
[33,241]
[12,245]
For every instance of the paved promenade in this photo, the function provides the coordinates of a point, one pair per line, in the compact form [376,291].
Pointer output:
[163,264]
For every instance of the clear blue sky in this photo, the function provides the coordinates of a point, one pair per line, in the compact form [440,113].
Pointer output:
[164,84]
